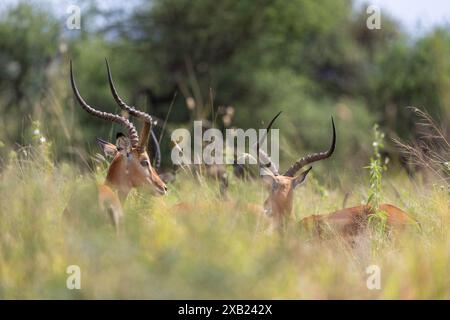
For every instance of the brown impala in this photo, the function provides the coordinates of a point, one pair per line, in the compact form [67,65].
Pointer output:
[130,167]
[347,221]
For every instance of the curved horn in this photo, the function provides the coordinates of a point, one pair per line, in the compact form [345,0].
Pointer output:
[259,152]
[132,133]
[157,160]
[314,156]
[148,120]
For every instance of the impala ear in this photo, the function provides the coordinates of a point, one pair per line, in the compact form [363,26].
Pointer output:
[298,180]
[108,148]
[123,144]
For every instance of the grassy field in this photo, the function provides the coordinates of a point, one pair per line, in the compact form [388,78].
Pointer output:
[213,249]
[231,65]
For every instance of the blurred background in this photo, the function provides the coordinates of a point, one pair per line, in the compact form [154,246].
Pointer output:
[234,63]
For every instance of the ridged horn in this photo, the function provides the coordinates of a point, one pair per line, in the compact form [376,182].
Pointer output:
[259,152]
[314,156]
[132,133]
[148,120]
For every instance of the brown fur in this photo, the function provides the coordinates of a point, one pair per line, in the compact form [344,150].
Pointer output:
[279,203]
[352,221]
[124,173]
[348,221]
[109,203]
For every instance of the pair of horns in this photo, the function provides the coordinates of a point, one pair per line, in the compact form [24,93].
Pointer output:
[136,141]
[293,169]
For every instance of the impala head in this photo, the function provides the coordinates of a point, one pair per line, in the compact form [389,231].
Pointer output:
[281,192]
[281,186]
[131,166]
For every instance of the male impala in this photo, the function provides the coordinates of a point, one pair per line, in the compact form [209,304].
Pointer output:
[348,221]
[130,167]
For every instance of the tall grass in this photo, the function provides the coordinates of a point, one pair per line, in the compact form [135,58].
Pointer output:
[209,249]
[430,151]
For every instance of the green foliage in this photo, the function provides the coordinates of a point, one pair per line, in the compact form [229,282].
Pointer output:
[377,218]
[413,74]
[28,41]
[310,59]
[318,187]
[376,169]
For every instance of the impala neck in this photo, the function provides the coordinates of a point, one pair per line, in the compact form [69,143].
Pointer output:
[282,206]
[117,179]
[121,191]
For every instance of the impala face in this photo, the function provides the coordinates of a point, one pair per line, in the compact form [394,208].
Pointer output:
[281,193]
[130,168]
[142,173]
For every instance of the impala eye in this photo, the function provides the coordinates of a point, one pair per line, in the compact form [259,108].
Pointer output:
[145,163]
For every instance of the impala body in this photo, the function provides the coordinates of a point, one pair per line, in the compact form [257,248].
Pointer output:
[352,221]
[348,221]
[130,167]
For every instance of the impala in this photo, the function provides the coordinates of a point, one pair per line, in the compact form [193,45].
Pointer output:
[130,167]
[347,221]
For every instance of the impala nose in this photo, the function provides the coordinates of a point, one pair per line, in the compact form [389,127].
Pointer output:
[161,190]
